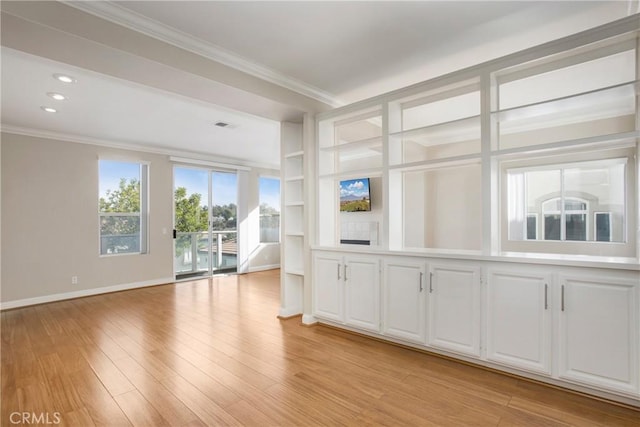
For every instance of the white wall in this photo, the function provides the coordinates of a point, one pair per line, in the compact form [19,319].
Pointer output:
[50,231]
[50,220]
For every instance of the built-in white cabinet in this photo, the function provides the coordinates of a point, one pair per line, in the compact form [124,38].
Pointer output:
[454,308]
[544,321]
[518,318]
[362,292]
[490,251]
[347,290]
[599,337]
[404,299]
[328,286]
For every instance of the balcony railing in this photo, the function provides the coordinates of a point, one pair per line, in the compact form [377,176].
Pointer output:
[192,252]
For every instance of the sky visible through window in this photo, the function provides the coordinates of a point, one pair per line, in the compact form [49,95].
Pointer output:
[112,171]
[225,184]
[270,192]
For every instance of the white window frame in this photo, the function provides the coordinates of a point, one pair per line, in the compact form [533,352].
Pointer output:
[144,208]
[584,157]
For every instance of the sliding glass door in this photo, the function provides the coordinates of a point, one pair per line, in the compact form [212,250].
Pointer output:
[205,230]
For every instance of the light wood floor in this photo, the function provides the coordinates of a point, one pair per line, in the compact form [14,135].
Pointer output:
[212,352]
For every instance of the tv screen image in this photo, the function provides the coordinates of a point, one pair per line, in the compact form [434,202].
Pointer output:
[354,195]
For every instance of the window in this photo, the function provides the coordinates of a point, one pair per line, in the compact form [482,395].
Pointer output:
[269,210]
[532,226]
[567,198]
[122,207]
[602,222]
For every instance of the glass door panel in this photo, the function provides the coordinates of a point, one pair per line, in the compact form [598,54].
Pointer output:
[206,238]
[224,213]
[191,199]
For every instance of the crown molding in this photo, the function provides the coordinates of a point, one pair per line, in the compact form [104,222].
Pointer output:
[140,23]
[133,146]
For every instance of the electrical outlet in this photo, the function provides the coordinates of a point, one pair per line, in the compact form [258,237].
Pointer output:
[74,280]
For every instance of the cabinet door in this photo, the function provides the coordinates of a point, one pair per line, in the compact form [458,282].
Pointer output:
[519,320]
[454,308]
[327,287]
[598,343]
[404,300]
[362,293]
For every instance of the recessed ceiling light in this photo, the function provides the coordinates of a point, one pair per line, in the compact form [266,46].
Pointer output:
[49,109]
[64,78]
[222,124]
[56,96]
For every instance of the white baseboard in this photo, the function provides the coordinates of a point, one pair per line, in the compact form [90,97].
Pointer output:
[263,268]
[308,319]
[289,312]
[83,293]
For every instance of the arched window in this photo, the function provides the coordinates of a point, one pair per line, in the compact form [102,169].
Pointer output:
[574,226]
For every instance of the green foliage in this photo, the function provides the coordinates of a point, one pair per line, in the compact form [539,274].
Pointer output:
[355,205]
[190,216]
[266,209]
[224,216]
[124,199]
[121,233]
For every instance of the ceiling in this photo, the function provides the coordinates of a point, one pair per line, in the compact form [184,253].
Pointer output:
[327,53]
[102,109]
[339,46]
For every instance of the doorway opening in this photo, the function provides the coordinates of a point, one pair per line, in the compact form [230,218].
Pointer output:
[205,222]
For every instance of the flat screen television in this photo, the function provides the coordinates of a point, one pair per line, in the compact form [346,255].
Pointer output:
[354,195]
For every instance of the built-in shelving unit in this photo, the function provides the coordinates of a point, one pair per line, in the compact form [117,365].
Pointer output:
[534,156]
[293,224]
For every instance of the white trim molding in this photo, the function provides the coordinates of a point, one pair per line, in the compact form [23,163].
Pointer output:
[263,268]
[133,146]
[308,319]
[83,293]
[137,22]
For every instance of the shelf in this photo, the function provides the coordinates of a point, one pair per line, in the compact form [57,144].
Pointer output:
[372,172]
[590,104]
[293,166]
[438,141]
[294,154]
[294,178]
[466,159]
[294,271]
[296,203]
[608,141]
[443,133]
[294,233]
[368,143]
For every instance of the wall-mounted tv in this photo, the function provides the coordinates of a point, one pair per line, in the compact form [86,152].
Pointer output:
[354,195]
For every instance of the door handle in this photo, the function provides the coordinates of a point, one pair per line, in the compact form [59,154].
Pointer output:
[421,276]
[562,298]
[546,287]
[431,282]
[175,233]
